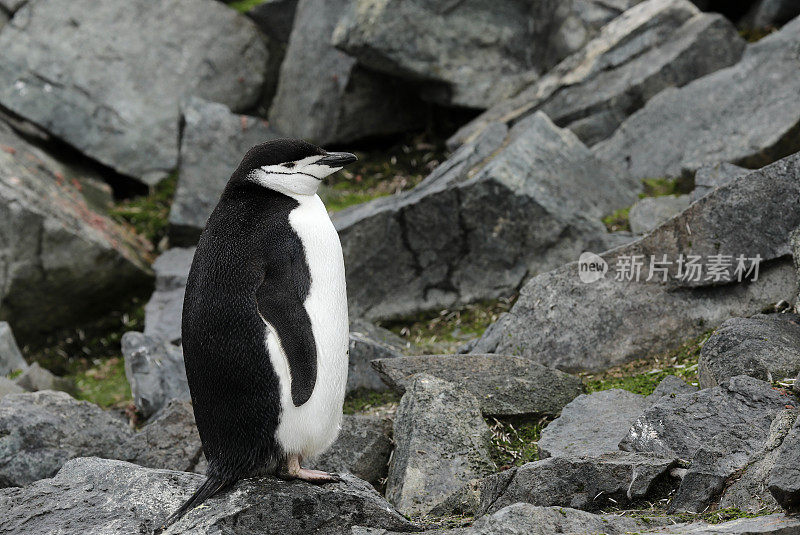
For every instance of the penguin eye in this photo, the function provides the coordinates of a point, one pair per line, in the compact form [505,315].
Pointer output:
[288,165]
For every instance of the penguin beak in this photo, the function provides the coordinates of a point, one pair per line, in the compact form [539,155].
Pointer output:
[336,159]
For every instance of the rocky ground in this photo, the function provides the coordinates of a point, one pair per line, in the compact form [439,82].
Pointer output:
[495,384]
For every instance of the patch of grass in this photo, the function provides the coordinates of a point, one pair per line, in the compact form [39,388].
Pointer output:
[363,400]
[444,331]
[243,6]
[514,440]
[618,220]
[105,384]
[751,35]
[642,376]
[336,199]
[148,215]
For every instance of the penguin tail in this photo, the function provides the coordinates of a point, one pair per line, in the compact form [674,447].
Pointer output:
[209,488]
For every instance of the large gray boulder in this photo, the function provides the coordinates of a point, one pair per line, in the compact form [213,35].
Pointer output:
[324,96]
[112,89]
[650,212]
[155,371]
[56,252]
[169,441]
[654,45]
[680,130]
[213,142]
[10,355]
[592,424]
[561,321]
[524,518]
[794,239]
[39,432]
[589,483]
[784,478]
[367,343]
[362,448]
[766,347]
[163,312]
[441,441]
[91,495]
[471,54]
[512,203]
[504,386]
[709,177]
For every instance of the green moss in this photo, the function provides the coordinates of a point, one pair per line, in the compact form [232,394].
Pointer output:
[336,200]
[148,215]
[363,400]
[14,374]
[105,384]
[642,376]
[618,220]
[444,331]
[514,440]
[243,6]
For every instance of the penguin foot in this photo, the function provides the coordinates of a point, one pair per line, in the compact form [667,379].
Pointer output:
[295,471]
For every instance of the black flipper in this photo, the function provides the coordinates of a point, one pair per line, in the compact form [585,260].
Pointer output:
[209,488]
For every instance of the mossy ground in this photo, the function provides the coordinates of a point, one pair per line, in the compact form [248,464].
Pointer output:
[364,400]
[148,215]
[445,330]
[243,6]
[514,440]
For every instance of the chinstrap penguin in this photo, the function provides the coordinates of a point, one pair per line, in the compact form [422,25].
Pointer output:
[265,326]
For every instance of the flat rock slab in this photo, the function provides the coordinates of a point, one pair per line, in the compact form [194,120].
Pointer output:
[512,203]
[10,355]
[155,371]
[586,482]
[766,347]
[362,448]
[39,432]
[683,129]
[324,96]
[738,410]
[91,495]
[99,91]
[213,143]
[650,212]
[532,520]
[442,441]
[653,45]
[776,524]
[57,252]
[561,321]
[504,386]
[163,312]
[592,424]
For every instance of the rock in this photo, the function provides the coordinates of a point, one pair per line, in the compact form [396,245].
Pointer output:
[367,343]
[766,347]
[784,478]
[504,386]
[213,143]
[362,449]
[511,203]
[56,251]
[590,483]
[592,424]
[748,492]
[709,177]
[561,321]
[671,386]
[650,212]
[762,525]
[738,410]
[115,103]
[92,495]
[770,13]
[155,371]
[169,441]
[10,356]
[275,18]
[36,378]
[323,96]
[39,432]
[441,441]
[654,45]
[794,239]
[532,520]
[7,386]
[163,312]
[680,130]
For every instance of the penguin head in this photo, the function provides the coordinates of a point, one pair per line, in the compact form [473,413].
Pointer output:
[291,166]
